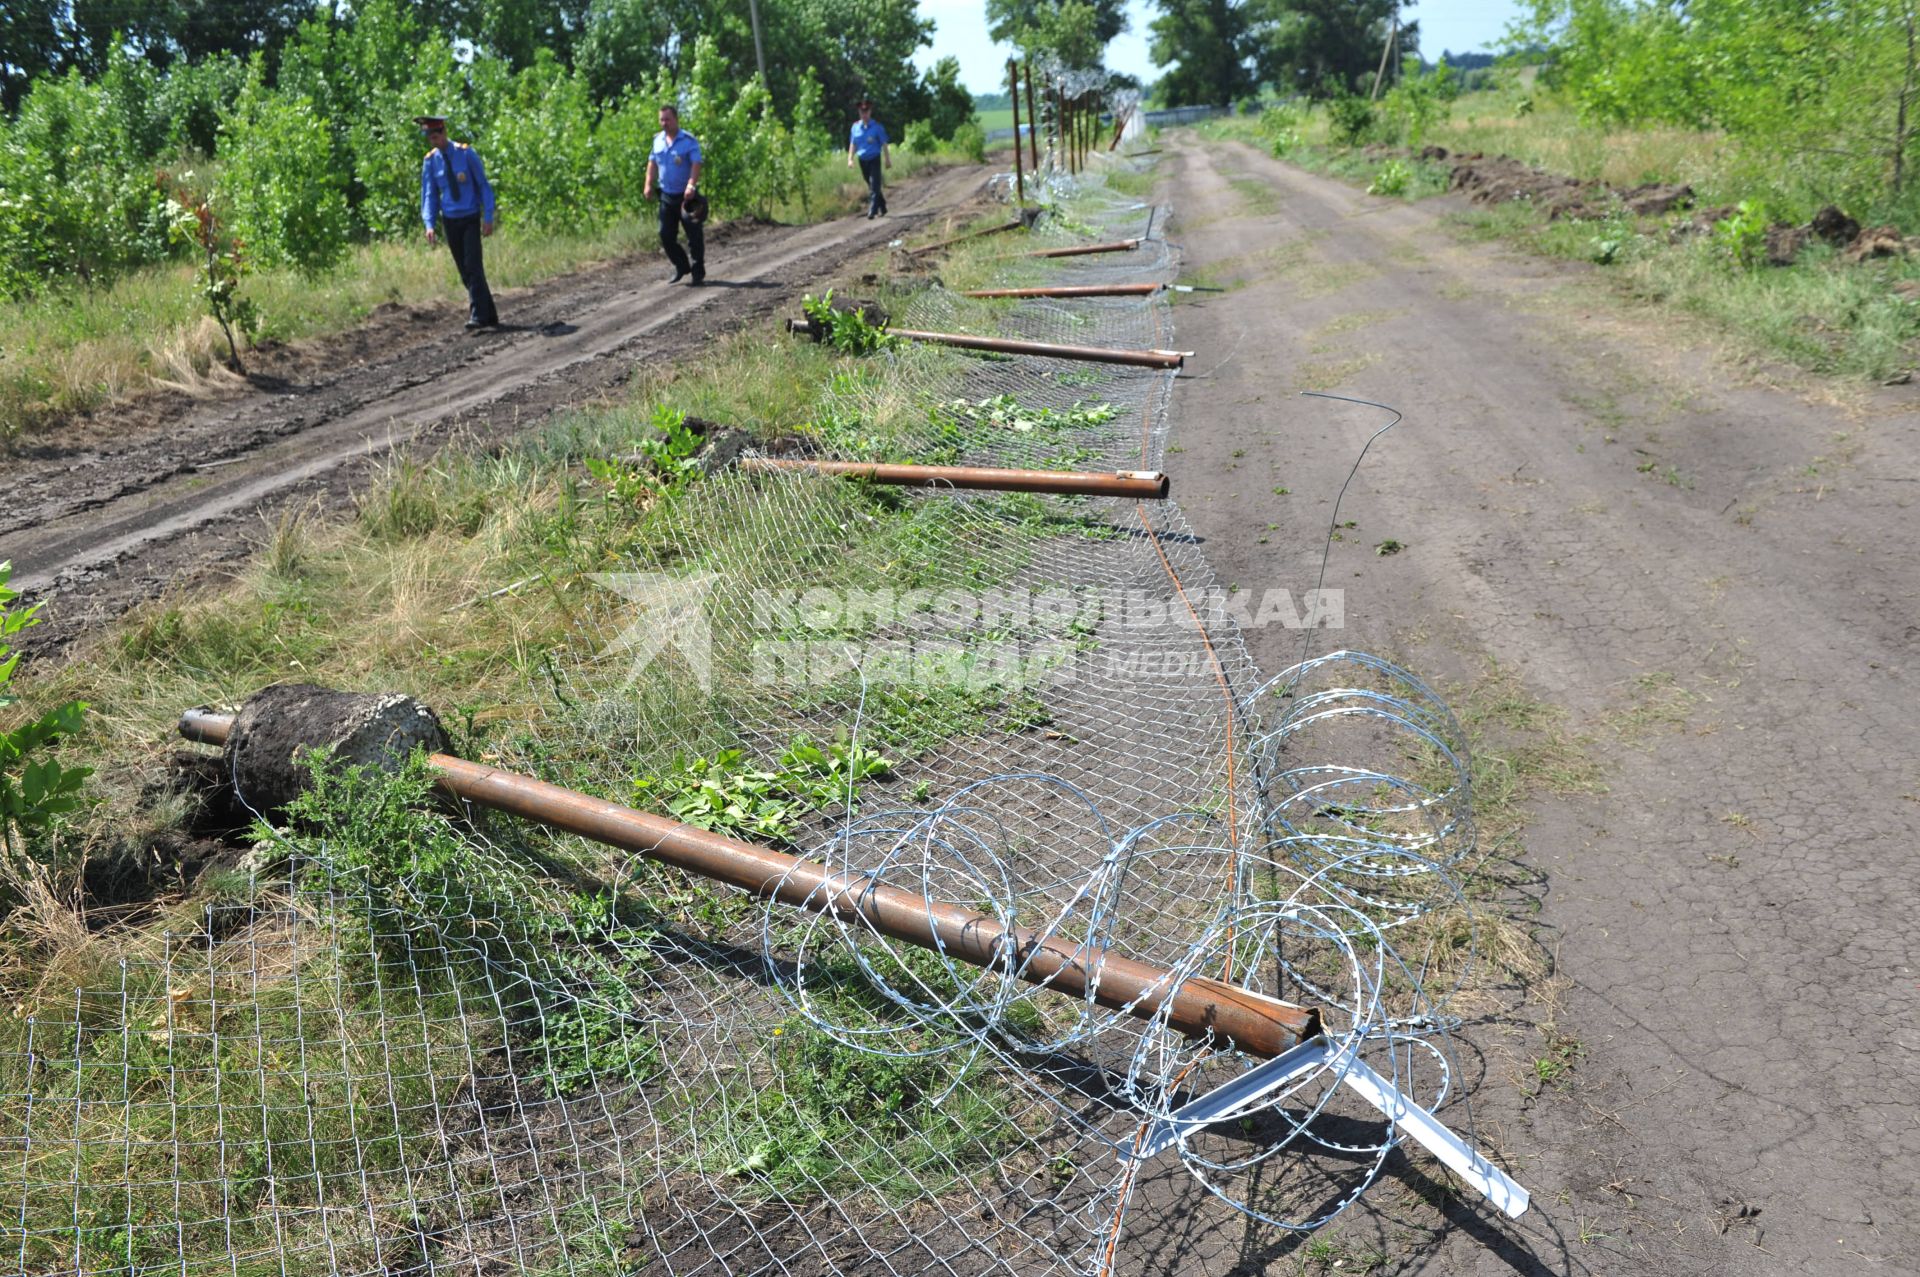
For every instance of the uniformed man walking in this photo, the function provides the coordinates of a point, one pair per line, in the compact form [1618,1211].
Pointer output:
[869,143]
[454,189]
[675,166]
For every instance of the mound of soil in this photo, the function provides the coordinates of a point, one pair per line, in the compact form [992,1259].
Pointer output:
[1876,241]
[1500,178]
[1656,199]
[1785,241]
[1496,179]
[1834,226]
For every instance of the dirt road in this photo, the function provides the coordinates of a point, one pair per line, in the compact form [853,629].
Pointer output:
[1715,582]
[112,511]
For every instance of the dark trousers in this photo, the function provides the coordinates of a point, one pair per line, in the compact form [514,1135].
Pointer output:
[671,220]
[463,237]
[876,200]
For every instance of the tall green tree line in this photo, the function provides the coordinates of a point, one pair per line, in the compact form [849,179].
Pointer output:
[1218,51]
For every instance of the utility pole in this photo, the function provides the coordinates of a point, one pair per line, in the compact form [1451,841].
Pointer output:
[1393,32]
[759,53]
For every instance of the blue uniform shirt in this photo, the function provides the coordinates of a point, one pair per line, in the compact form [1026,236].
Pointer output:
[675,160]
[868,137]
[453,183]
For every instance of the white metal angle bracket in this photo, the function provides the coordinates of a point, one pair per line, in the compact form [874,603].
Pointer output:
[1238,1095]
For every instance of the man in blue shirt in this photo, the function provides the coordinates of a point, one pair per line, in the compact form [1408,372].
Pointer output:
[675,165]
[454,188]
[869,143]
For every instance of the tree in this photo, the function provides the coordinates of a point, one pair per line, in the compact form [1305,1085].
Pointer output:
[626,41]
[31,42]
[1206,43]
[1325,48]
[1036,25]
[949,105]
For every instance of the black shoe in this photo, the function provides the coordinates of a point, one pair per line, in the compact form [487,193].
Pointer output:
[472,325]
[699,276]
[679,273]
[871,216]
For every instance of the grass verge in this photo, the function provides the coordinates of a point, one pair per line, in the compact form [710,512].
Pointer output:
[1851,319]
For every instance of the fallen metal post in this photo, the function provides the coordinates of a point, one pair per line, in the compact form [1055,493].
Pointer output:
[1069,290]
[1011,346]
[1144,485]
[1049,350]
[1196,1006]
[1241,1095]
[1014,225]
[1081,250]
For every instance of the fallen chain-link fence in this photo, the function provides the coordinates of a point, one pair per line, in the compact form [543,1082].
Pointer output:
[413,1044]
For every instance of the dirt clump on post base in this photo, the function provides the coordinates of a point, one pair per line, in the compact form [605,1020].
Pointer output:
[278,725]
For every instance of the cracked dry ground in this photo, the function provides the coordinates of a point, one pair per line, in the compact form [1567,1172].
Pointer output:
[1712,580]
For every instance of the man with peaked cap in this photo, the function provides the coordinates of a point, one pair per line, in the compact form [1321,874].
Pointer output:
[454,189]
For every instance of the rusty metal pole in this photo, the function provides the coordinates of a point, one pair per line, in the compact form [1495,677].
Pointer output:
[1066,131]
[1014,225]
[1019,180]
[1066,136]
[1011,346]
[1144,485]
[1048,350]
[1196,1006]
[1081,250]
[1033,124]
[1069,290]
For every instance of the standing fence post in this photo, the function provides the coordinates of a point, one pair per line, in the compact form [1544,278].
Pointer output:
[1019,181]
[1033,124]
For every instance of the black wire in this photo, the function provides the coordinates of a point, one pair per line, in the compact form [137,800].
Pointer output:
[1333,525]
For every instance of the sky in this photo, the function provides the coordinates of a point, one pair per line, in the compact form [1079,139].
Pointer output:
[960,29]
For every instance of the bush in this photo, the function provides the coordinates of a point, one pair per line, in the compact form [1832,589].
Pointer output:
[1743,236]
[971,142]
[77,195]
[33,789]
[1418,101]
[279,187]
[540,151]
[1280,128]
[1350,120]
[920,139]
[1393,179]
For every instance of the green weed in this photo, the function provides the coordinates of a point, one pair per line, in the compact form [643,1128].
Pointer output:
[726,794]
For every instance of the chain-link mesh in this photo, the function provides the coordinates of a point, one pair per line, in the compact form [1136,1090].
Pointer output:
[513,1052]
